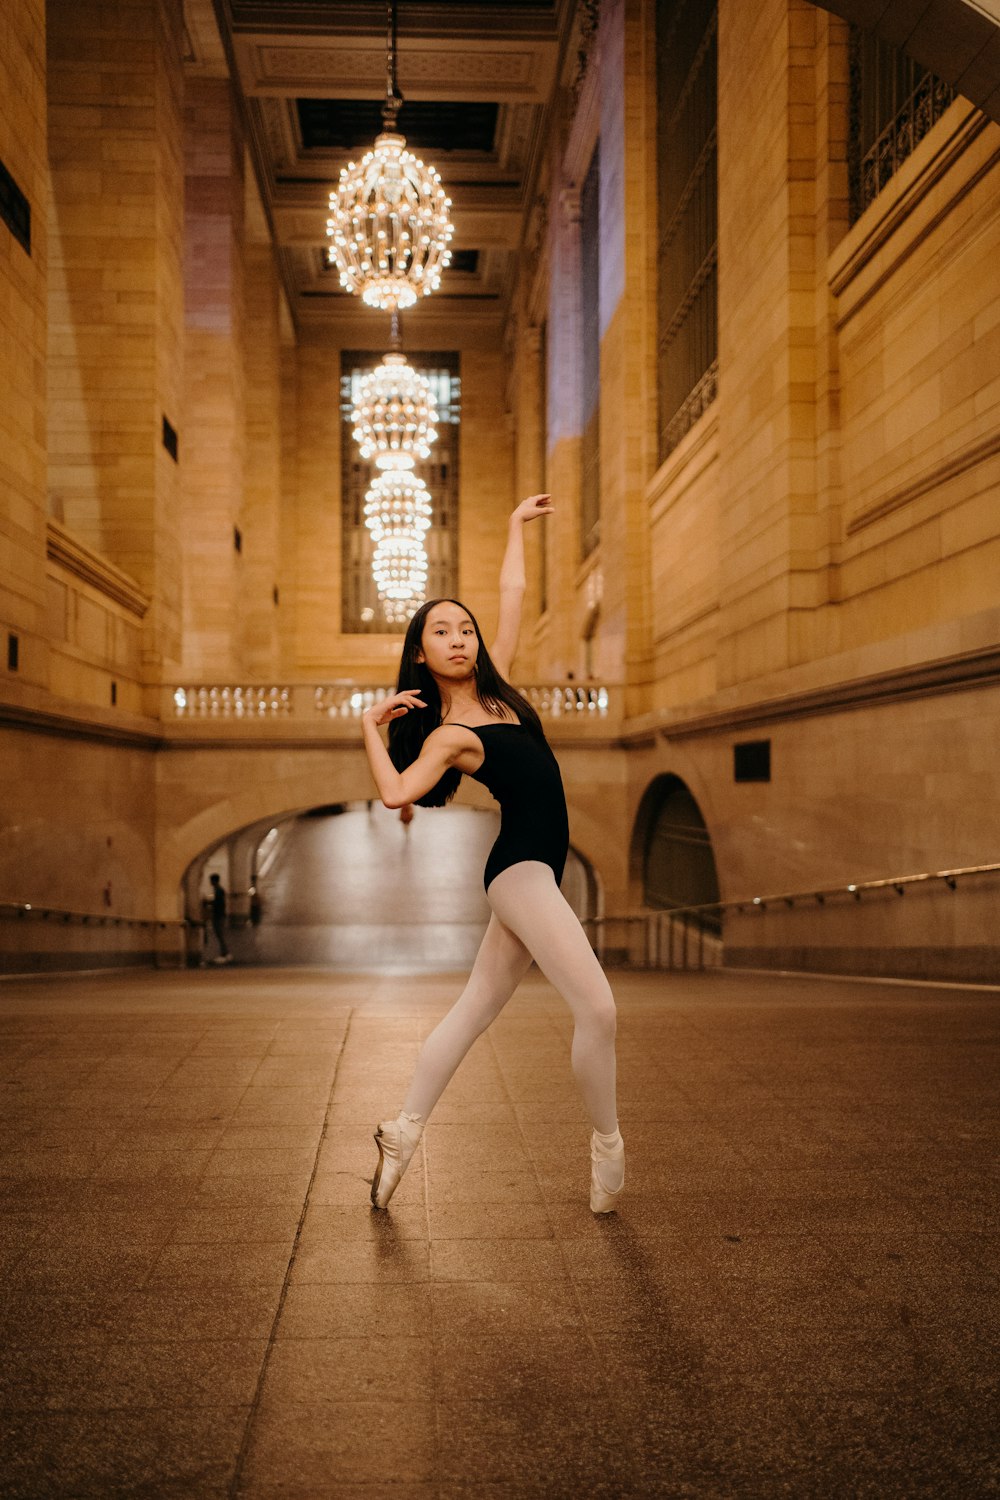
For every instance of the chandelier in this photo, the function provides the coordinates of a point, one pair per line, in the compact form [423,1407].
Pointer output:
[398,513]
[397,504]
[389,227]
[395,415]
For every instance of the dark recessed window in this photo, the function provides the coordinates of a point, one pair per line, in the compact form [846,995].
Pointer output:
[464,260]
[170,439]
[275,594]
[752,761]
[114,694]
[894,101]
[237,539]
[429,125]
[12,653]
[15,210]
[687,341]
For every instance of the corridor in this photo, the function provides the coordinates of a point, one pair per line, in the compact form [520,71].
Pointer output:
[797,1298]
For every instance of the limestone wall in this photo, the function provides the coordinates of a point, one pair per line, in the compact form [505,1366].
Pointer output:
[23,336]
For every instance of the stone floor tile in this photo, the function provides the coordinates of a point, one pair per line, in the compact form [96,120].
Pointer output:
[171,1373]
[470,1310]
[505,1260]
[301,1448]
[347,1309]
[104,1455]
[375,1262]
[340,1369]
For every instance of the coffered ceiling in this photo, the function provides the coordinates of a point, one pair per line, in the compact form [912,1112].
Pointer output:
[477,80]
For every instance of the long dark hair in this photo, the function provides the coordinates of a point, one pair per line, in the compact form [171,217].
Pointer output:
[408,732]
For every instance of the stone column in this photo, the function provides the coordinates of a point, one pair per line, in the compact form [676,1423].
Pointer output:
[214,386]
[530,464]
[23,257]
[262,487]
[115,87]
[564,403]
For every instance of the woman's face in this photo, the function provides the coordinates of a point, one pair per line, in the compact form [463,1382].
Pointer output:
[449,644]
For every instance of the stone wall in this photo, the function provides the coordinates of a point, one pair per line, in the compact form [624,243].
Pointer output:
[23,338]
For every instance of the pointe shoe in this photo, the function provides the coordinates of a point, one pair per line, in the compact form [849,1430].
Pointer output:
[607,1175]
[396,1141]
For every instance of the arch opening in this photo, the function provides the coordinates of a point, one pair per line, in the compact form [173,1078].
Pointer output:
[355,885]
[673,849]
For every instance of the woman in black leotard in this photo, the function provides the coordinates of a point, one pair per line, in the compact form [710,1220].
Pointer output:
[454,713]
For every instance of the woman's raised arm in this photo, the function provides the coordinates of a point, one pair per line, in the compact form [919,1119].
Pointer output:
[512,583]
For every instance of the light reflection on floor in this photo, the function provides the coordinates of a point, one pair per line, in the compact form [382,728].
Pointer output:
[361,890]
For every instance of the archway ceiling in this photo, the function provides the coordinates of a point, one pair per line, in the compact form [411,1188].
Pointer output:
[479,80]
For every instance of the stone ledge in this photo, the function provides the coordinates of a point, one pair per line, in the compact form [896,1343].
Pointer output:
[951,674]
[63,548]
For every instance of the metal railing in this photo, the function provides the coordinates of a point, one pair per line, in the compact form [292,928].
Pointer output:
[176,949]
[347,699]
[692,937]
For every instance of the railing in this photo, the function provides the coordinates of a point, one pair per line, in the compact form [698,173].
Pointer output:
[348,699]
[691,937]
[13,913]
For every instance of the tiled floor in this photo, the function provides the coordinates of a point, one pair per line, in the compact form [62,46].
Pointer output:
[798,1297]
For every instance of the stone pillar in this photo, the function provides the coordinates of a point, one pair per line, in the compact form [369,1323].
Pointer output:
[530,469]
[214,386]
[23,269]
[767,333]
[115,88]
[564,404]
[262,486]
[622,647]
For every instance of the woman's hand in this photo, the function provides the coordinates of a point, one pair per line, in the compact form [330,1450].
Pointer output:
[535,505]
[392,707]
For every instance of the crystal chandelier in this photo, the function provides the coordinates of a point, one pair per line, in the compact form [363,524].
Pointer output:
[398,513]
[389,227]
[397,504]
[395,414]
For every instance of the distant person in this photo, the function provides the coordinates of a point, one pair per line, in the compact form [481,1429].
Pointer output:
[218,919]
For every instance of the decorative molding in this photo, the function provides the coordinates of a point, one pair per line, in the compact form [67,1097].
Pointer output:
[960,463]
[20,716]
[971,669]
[683,465]
[68,552]
[588,18]
[426,70]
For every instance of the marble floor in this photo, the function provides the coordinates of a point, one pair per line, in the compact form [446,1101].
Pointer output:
[798,1296]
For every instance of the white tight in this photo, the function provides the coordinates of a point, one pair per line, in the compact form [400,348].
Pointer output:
[531,920]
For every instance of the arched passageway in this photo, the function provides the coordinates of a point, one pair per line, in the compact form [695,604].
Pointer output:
[355,886]
[673,848]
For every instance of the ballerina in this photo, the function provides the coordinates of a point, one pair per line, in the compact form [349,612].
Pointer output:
[454,713]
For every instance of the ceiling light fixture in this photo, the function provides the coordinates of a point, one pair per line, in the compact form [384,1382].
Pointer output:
[395,414]
[398,514]
[389,227]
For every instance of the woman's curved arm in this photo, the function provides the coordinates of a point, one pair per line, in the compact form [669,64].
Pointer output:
[440,750]
[512,583]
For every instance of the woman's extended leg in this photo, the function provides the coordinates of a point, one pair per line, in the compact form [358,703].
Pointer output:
[501,964]
[531,906]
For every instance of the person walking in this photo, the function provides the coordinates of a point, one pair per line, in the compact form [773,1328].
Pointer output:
[454,713]
[218,919]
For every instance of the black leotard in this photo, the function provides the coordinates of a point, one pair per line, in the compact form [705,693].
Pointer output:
[522,774]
